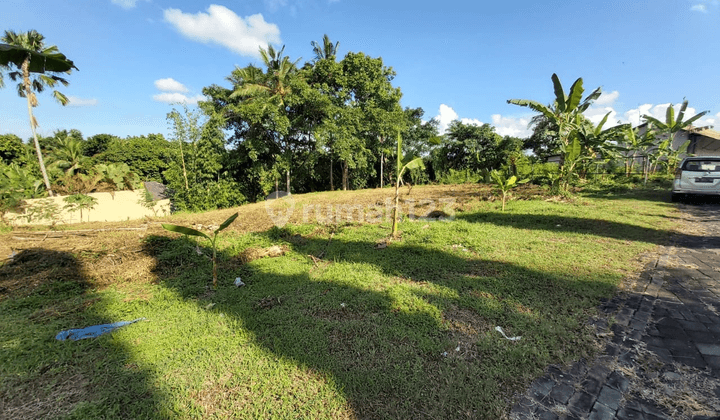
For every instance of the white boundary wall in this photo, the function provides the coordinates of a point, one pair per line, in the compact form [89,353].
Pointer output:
[110,207]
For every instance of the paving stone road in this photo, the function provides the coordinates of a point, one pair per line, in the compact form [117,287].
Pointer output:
[662,344]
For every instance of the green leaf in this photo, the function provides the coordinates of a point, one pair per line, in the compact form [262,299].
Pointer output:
[184,230]
[39,62]
[681,114]
[573,151]
[559,93]
[589,99]
[670,116]
[602,122]
[694,118]
[535,106]
[661,125]
[576,92]
[227,223]
[415,163]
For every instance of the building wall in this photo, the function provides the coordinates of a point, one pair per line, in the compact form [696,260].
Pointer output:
[110,207]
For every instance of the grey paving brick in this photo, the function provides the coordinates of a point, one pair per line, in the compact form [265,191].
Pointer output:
[629,414]
[609,397]
[709,349]
[542,387]
[581,403]
[692,326]
[562,393]
[592,385]
[618,381]
[601,412]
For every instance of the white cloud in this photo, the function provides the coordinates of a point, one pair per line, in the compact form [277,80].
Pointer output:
[446,115]
[511,126]
[126,4]
[607,98]
[471,121]
[75,101]
[699,8]
[222,26]
[177,98]
[170,85]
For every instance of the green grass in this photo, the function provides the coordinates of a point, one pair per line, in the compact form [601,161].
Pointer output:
[401,332]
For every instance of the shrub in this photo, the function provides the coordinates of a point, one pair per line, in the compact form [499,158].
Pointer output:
[208,196]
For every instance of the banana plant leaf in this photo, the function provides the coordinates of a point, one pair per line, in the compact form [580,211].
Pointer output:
[39,62]
[185,230]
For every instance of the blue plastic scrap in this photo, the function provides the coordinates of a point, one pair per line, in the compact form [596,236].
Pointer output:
[93,331]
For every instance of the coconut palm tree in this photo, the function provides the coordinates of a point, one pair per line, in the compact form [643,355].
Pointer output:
[271,87]
[274,83]
[326,51]
[37,67]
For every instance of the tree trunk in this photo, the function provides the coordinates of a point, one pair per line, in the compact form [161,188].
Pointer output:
[345,176]
[30,96]
[396,208]
[382,160]
[287,180]
[332,185]
[182,159]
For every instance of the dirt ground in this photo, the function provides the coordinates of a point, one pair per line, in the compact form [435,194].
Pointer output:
[112,251]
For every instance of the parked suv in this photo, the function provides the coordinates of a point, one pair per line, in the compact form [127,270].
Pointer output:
[697,175]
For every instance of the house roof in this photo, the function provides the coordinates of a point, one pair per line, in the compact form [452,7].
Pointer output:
[157,190]
[706,132]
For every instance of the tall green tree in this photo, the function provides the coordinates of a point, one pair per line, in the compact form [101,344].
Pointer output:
[266,96]
[566,115]
[12,148]
[367,83]
[468,146]
[37,66]
[187,132]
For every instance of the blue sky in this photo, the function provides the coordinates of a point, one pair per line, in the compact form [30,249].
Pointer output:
[455,59]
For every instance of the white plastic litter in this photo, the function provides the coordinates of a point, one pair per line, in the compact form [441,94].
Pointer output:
[239,282]
[342,305]
[500,330]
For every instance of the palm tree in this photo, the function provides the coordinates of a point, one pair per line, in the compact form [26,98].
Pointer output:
[68,154]
[566,115]
[273,86]
[27,52]
[326,51]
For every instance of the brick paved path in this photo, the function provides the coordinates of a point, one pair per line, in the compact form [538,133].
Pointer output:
[662,347]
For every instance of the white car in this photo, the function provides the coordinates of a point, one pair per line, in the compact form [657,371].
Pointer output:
[697,175]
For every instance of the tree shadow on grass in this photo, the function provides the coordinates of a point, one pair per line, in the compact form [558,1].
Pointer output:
[419,343]
[557,223]
[45,291]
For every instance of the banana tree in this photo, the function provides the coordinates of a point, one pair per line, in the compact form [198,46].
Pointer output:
[192,232]
[566,114]
[402,165]
[672,126]
[505,184]
[28,53]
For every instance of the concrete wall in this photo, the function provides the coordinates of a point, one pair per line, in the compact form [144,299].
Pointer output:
[111,207]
